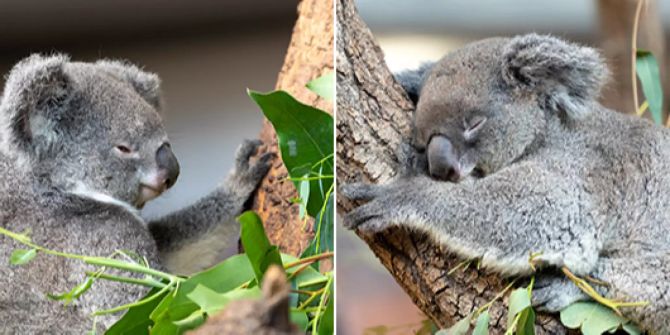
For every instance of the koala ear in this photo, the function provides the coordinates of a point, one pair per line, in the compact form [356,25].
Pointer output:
[36,91]
[568,77]
[145,83]
[412,80]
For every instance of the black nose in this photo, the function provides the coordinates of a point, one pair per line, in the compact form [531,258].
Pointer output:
[168,165]
[443,160]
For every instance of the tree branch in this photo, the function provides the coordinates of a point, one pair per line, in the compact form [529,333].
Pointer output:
[310,54]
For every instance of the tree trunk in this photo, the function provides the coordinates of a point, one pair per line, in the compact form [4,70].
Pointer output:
[616,18]
[310,54]
[373,115]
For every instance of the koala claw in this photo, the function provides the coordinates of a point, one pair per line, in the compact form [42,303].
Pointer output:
[554,293]
[245,169]
[366,218]
[360,191]
[247,149]
[372,216]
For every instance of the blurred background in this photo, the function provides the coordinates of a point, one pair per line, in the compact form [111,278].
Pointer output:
[206,52]
[411,32]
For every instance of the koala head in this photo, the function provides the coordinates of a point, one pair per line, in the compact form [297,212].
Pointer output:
[88,128]
[481,107]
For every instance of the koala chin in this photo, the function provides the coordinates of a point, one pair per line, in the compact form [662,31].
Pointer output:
[82,149]
[512,154]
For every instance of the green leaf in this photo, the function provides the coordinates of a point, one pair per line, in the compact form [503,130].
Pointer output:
[211,302]
[324,86]
[74,293]
[305,137]
[526,323]
[192,321]
[324,226]
[519,300]
[574,315]
[22,256]
[460,328]
[482,325]
[593,318]
[137,319]
[328,319]
[303,192]
[649,75]
[256,244]
[632,329]
[307,277]
[223,277]
[299,319]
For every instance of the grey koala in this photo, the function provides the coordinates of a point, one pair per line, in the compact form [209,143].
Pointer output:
[82,149]
[514,155]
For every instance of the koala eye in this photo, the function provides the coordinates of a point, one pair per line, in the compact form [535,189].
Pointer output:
[123,149]
[473,127]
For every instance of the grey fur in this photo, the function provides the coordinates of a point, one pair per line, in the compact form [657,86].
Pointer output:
[560,174]
[62,181]
[412,80]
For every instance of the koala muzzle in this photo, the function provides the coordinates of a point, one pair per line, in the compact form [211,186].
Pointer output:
[443,161]
[167,164]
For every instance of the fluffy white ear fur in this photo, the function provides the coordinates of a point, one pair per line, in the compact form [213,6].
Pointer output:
[35,88]
[567,76]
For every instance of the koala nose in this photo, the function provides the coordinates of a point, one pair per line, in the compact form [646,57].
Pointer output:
[443,161]
[168,165]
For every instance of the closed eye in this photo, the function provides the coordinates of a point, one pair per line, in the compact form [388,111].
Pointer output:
[474,127]
[123,149]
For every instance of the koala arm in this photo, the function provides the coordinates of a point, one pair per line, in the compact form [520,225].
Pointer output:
[209,223]
[501,219]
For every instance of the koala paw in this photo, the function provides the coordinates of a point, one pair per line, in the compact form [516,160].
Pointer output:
[552,293]
[246,171]
[374,216]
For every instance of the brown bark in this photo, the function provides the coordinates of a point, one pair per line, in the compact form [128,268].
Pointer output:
[373,114]
[310,54]
[616,29]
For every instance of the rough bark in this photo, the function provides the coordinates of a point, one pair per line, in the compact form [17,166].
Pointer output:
[616,19]
[373,114]
[310,54]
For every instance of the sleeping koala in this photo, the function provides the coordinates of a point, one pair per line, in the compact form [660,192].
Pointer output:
[82,149]
[514,155]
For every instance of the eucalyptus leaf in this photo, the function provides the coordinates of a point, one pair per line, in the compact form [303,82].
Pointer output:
[519,300]
[137,319]
[593,318]
[324,86]
[74,293]
[328,318]
[211,301]
[526,323]
[22,256]
[303,192]
[305,137]
[256,244]
[459,328]
[299,319]
[482,324]
[648,72]
[225,276]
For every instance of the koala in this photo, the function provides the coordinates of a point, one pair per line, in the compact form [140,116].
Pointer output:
[512,154]
[82,149]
